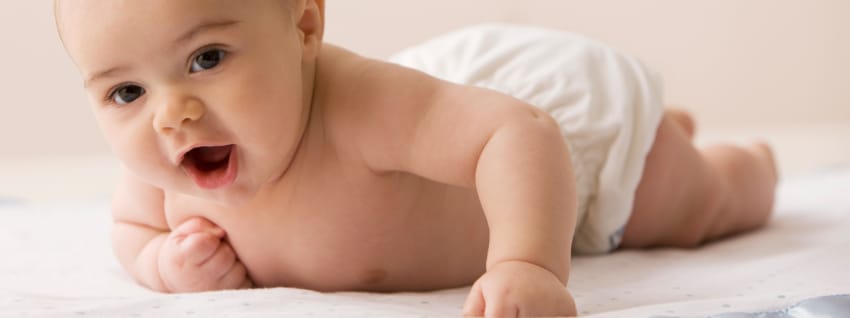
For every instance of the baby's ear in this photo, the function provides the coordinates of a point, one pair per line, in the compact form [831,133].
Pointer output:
[310,17]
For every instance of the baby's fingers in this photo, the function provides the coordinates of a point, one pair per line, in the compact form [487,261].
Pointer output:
[197,225]
[197,248]
[217,265]
[497,305]
[474,306]
[236,278]
[247,284]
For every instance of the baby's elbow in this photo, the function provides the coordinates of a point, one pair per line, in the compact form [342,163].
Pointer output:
[547,122]
[539,123]
[525,126]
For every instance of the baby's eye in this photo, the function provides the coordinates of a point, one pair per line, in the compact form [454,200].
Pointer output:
[126,94]
[207,60]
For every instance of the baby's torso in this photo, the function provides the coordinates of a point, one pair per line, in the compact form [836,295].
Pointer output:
[353,230]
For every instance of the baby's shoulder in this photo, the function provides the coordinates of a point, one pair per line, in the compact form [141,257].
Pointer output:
[345,76]
[359,91]
[372,108]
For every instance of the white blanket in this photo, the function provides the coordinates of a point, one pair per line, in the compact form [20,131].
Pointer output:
[56,262]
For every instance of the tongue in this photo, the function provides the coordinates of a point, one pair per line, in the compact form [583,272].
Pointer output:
[211,167]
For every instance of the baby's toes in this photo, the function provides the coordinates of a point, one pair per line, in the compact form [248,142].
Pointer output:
[764,152]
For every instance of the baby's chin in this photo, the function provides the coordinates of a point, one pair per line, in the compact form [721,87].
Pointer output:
[232,197]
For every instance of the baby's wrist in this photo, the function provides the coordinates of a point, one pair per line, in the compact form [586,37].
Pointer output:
[528,264]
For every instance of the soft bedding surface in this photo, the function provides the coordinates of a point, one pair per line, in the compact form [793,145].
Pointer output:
[56,262]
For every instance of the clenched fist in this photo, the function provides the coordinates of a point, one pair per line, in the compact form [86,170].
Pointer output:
[195,257]
[519,289]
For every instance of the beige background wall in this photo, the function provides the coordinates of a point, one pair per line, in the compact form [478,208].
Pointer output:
[779,69]
[778,61]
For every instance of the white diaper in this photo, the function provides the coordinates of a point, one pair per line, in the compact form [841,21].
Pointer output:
[608,106]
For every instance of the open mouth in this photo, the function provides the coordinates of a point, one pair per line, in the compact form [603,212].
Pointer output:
[211,167]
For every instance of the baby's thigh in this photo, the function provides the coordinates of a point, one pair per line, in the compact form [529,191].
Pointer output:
[677,195]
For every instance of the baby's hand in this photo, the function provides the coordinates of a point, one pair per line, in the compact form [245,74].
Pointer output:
[195,258]
[519,289]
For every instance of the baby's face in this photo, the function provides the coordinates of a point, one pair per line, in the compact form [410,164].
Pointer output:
[204,97]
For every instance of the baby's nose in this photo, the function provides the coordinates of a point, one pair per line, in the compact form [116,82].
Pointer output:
[177,112]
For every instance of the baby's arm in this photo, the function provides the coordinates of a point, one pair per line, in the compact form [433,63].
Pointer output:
[192,257]
[512,153]
[139,229]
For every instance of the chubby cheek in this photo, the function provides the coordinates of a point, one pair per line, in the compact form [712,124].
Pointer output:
[271,119]
[139,151]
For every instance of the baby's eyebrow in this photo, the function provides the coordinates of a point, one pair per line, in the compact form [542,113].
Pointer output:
[102,74]
[183,39]
[203,27]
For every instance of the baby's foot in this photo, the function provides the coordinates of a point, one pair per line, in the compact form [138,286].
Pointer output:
[763,152]
[684,120]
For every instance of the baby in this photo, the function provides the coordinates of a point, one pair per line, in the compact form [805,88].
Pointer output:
[258,156]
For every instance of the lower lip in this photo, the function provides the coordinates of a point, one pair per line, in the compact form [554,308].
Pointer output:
[217,179]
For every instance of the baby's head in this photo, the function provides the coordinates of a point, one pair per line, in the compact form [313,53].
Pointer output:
[203,97]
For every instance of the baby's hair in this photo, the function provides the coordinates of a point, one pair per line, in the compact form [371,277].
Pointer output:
[287,5]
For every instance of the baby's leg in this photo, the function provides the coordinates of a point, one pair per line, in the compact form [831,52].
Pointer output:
[688,196]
